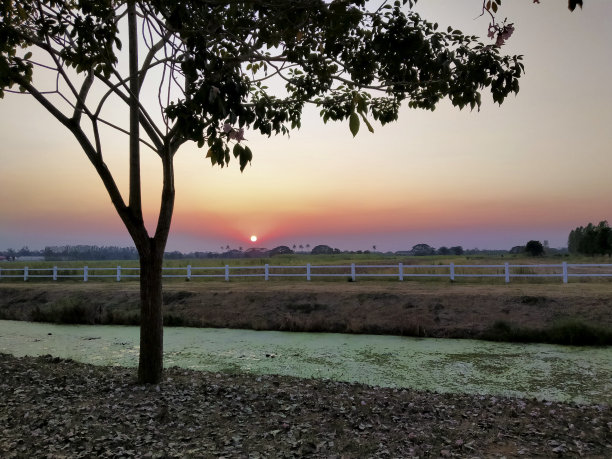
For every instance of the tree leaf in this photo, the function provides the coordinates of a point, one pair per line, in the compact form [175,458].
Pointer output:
[354,124]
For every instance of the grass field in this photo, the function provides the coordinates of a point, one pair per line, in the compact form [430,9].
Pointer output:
[302,259]
[433,268]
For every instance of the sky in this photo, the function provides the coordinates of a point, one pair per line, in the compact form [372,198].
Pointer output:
[535,167]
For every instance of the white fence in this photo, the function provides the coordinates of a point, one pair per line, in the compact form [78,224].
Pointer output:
[400,271]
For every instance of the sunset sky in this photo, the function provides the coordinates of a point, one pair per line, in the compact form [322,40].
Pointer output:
[534,168]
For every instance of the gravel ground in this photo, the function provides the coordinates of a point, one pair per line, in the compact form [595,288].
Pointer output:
[60,408]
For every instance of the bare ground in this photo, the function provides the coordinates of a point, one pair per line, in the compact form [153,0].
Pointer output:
[55,408]
[437,309]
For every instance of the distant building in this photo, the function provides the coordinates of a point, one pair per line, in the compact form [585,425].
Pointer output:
[255,252]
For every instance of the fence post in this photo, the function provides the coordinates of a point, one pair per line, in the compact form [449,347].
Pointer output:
[267,271]
[188,272]
[565,272]
[353,272]
[307,271]
[85,274]
[401,271]
[55,273]
[227,272]
[25,273]
[507,272]
[452,271]
[118,273]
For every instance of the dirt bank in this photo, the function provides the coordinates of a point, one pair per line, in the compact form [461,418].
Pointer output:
[416,309]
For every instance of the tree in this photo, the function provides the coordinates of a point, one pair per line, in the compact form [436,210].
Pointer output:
[208,64]
[420,250]
[323,250]
[534,248]
[591,240]
[280,250]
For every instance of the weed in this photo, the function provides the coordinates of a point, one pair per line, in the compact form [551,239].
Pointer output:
[173,320]
[571,332]
[306,308]
[70,310]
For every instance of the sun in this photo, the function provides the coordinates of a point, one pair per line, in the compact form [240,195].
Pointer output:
[253,238]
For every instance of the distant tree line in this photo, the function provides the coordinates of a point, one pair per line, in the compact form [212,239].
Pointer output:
[89,252]
[591,240]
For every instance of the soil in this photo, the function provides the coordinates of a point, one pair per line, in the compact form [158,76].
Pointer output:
[437,309]
[57,408]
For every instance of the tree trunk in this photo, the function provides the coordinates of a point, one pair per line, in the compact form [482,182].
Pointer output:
[150,365]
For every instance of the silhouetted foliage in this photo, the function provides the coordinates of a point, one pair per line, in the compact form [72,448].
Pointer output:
[280,250]
[534,248]
[209,64]
[591,240]
[89,252]
[420,250]
[322,250]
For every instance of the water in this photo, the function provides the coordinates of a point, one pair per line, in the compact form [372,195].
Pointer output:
[550,372]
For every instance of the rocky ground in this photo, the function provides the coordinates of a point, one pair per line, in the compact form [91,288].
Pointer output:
[56,408]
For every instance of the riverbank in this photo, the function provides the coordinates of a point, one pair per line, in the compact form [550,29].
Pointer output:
[563,314]
[69,409]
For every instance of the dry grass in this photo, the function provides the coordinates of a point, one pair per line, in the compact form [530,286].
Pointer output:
[439,309]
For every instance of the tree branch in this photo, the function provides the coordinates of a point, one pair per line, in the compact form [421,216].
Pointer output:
[80,105]
[136,230]
[167,198]
[135,185]
[150,55]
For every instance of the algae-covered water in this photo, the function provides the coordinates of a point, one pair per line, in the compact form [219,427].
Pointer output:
[550,372]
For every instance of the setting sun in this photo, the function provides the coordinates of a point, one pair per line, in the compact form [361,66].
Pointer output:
[253,238]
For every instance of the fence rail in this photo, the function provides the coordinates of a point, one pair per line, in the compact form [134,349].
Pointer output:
[400,271]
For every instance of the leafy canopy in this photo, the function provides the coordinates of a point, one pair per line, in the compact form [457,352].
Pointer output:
[354,60]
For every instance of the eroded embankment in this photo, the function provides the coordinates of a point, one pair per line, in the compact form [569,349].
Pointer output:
[574,313]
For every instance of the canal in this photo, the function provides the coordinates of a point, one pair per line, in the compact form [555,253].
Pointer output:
[551,372]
